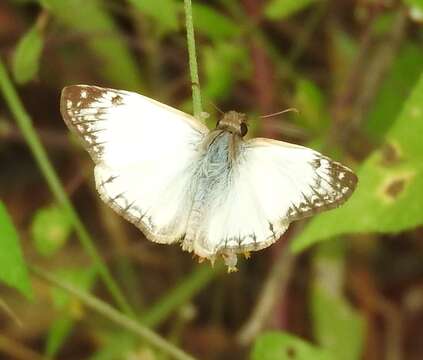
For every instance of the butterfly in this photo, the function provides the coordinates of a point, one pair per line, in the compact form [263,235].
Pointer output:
[213,192]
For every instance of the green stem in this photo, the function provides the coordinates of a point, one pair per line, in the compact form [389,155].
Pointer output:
[109,312]
[196,93]
[179,295]
[5,307]
[25,124]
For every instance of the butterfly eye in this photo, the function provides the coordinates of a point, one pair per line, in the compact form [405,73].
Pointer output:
[244,129]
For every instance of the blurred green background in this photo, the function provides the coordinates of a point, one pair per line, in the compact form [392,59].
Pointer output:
[346,285]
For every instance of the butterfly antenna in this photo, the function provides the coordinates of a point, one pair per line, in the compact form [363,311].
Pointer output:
[280,112]
[216,107]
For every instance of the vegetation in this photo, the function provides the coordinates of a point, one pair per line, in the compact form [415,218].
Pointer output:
[78,282]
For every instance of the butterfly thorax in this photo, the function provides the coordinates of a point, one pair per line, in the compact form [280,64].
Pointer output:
[230,130]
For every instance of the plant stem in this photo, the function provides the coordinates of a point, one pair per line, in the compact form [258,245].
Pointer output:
[109,312]
[25,124]
[195,81]
[5,307]
[274,289]
[14,349]
[179,295]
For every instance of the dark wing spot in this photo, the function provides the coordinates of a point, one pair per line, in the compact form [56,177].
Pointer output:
[316,163]
[254,240]
[117,100]
[109,180]
[128,206]
[118,196]
[272,230]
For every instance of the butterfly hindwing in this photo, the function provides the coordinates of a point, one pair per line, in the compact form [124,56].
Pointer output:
[143,152]
[272,184]
[157,206]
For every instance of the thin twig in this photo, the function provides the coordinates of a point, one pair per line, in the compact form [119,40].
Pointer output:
[273,289]
[17,350]
[25,124]
[371,301]
[362,86]
[113,315]
[6,308]
[307,31]
[376,69]
[195,81]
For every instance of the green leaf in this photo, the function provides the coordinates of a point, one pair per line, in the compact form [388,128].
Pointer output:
[416,8]
[383,23]
[343,50]
[224,64]
[211,23]
[102,38]
[26,58]
[70,309]
[163,12]
[179,295]
[58,332]
[50,229]
[342,332]
[390,189]
[282,346]
[418,3]
[13,270]
[311,104]
[116,345]
[282,9]
[395,89]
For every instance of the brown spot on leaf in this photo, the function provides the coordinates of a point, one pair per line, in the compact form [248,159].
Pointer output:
[390,154]
[291,353]
[394,186]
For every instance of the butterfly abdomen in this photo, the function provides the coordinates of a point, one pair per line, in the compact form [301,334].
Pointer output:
[210,182]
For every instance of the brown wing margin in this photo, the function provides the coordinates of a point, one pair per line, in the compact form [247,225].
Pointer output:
[84,108]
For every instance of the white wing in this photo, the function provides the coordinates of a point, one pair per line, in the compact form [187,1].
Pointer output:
[272,184]
[143,150]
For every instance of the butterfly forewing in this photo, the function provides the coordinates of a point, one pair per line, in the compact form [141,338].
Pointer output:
[111,122]
[143,152]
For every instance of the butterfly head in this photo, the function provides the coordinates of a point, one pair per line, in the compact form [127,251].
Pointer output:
[233,122]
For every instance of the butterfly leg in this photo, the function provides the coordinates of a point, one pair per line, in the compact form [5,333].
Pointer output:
[231,260]
[187,244]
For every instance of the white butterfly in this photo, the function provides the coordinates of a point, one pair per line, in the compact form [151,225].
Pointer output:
[211,191]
